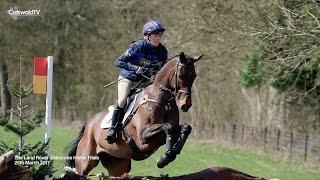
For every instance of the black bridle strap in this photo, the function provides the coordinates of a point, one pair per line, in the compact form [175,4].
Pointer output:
[176,91]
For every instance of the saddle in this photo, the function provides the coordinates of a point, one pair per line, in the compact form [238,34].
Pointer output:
[106,122]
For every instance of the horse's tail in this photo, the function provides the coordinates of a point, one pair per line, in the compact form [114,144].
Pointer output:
[72,148]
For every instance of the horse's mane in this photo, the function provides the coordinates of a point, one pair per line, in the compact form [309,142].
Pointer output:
[178,55]
[168,66]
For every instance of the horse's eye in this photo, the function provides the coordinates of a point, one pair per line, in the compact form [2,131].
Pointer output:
[189,74]
[181,76]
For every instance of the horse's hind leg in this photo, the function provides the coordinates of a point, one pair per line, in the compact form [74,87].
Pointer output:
[85,159]
[85,166]
[115,166]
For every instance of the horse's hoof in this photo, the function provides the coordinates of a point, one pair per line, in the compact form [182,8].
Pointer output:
[164,160]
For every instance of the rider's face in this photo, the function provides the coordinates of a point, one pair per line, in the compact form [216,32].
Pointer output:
[155,39]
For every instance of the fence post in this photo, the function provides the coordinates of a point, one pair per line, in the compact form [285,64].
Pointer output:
[319,152]
[11,114]
[306,147]
[242,134]
[202,130]
[252,135]
[223,131]
[278,140]
[265,138]
[291,143]
[234,126]
[212,131]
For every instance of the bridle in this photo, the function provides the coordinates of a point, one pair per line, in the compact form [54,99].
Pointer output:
[175,92]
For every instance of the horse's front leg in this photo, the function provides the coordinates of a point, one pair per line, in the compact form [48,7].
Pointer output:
[172,134]
[175,141]
[149,133]
[185,131]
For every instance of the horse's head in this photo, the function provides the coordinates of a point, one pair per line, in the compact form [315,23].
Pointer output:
[183,79]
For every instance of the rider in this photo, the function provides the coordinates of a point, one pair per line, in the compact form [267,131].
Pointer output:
[134,64]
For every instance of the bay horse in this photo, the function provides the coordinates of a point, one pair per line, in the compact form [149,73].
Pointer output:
[155,122]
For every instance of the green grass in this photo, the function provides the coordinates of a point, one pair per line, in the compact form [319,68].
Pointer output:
[195,156]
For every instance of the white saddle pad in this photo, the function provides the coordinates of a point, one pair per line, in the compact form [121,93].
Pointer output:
[106,122]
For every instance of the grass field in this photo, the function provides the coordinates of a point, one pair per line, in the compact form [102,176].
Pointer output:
[195,156]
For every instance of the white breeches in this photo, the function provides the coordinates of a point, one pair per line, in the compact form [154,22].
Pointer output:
[124,86]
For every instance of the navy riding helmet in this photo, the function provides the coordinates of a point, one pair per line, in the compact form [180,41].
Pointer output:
[151,27]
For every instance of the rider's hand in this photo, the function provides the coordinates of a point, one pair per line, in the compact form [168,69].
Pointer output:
[153,71]
[140,70]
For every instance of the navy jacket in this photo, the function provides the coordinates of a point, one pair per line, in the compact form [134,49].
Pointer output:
[136,51]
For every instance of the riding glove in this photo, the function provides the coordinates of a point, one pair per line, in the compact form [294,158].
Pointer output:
[140,70]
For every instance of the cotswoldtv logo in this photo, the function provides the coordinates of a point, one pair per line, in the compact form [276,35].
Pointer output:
[14,12]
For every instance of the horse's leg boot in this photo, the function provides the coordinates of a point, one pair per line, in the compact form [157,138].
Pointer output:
[185,131]
[115,124]
[171,139]
[174,145]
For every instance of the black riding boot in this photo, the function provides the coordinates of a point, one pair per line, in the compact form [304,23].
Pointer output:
[116,124]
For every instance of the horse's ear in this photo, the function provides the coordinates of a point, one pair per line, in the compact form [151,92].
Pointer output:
[183,58]
[197,58]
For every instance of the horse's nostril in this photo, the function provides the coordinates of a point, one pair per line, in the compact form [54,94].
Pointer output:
[189,102]
[184,108]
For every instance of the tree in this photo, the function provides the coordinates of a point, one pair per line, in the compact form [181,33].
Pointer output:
[288,41]
[5,98]
[27,120]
